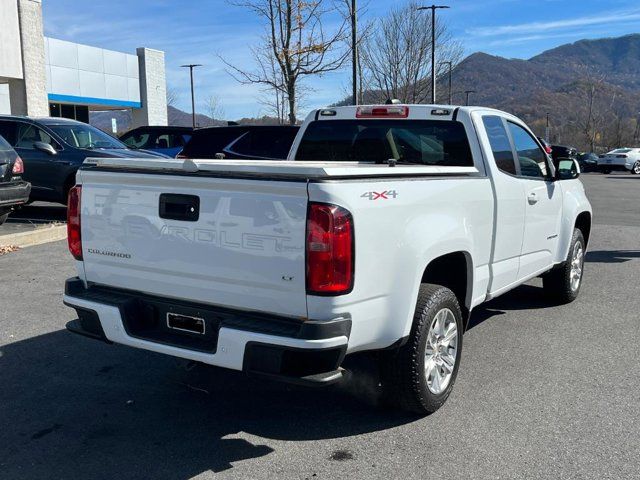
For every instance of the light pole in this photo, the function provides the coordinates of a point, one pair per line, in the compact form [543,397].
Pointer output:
[354,53]
[547,129]
[467,92]
[191,66]
[450,67]
[433,9]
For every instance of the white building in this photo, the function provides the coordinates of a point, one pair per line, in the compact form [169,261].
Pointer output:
[41,76]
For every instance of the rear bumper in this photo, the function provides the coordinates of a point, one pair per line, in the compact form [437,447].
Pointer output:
[307,352]
[619,167]
[14,193]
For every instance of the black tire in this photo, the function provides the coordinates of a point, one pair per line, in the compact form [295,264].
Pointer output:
[3,217]
[635,170]
[402,371]
[557,283]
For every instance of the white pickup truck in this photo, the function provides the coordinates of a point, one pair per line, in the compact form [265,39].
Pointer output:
[382,231]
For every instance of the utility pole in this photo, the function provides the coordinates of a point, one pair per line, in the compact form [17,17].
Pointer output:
[433,9]
[191,66]
[354,53]
[467,92]
[546,132]
[450,93]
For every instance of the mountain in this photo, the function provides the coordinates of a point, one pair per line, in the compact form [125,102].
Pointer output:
[590,89]
[497,79]
[618,57]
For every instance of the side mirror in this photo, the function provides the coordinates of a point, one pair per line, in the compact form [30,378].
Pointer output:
[568,169]
[44,147]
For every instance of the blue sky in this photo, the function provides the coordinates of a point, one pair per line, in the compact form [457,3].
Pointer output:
[197,31]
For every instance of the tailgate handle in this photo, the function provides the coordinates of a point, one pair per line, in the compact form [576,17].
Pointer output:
[175,206]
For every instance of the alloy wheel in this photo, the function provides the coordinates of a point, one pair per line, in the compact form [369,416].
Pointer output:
[441,351]
[577,264]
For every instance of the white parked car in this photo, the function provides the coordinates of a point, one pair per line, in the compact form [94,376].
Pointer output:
[384,229]
[620,159]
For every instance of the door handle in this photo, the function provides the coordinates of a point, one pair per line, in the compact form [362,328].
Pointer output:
[532,198]
[175,206]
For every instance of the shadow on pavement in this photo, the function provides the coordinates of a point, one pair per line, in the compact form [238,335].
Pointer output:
[77,408]
[39,213]
[524,297]
[611,256]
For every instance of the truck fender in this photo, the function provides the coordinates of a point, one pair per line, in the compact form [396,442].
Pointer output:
[572,209]
[433,254]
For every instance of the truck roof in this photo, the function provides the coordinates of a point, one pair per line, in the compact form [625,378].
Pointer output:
[411,112]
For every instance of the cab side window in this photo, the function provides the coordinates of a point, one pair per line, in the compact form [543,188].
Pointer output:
[27,135]
[532,160]
[8,131]
[500,145]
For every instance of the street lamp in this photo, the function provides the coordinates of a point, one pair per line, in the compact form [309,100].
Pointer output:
[450,67]
[546,132]
[433,9]
[191,66]
[467,92]
[354,53]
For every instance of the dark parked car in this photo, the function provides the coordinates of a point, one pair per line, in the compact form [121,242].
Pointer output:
[562,151]
[53,149]
[14,190]
[588,162]
[166,140]
[241,142]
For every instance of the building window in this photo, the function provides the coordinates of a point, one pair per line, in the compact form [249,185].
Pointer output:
[74,112]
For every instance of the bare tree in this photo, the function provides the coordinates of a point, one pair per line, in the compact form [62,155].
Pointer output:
[213,107]
[172,96]
[297,40]
[364,32]
[590,90]
[397,57]
[274,97]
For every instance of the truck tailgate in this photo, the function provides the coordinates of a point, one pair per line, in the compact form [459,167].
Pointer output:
[232,242]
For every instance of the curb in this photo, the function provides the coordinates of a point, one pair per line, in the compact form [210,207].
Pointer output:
[38,236]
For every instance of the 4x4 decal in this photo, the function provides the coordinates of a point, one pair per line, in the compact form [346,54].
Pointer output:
[385,195]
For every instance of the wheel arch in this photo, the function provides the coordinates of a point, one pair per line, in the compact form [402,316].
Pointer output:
[583,223]
[453,270]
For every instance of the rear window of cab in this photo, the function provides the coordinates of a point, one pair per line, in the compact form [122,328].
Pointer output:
[4,145]
[420,142]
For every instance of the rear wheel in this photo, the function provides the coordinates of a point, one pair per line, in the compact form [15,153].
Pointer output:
[562,284]
[419,376]
[635,170]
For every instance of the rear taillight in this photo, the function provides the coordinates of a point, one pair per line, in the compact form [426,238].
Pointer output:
[18,167]
[392,111]
[74,236]
[330,250]
[621,156]
[548,149]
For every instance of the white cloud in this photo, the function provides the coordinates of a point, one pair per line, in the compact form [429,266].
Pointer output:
[611,18]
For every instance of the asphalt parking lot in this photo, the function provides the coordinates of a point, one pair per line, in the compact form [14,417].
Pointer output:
[33,216]
[543,392]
